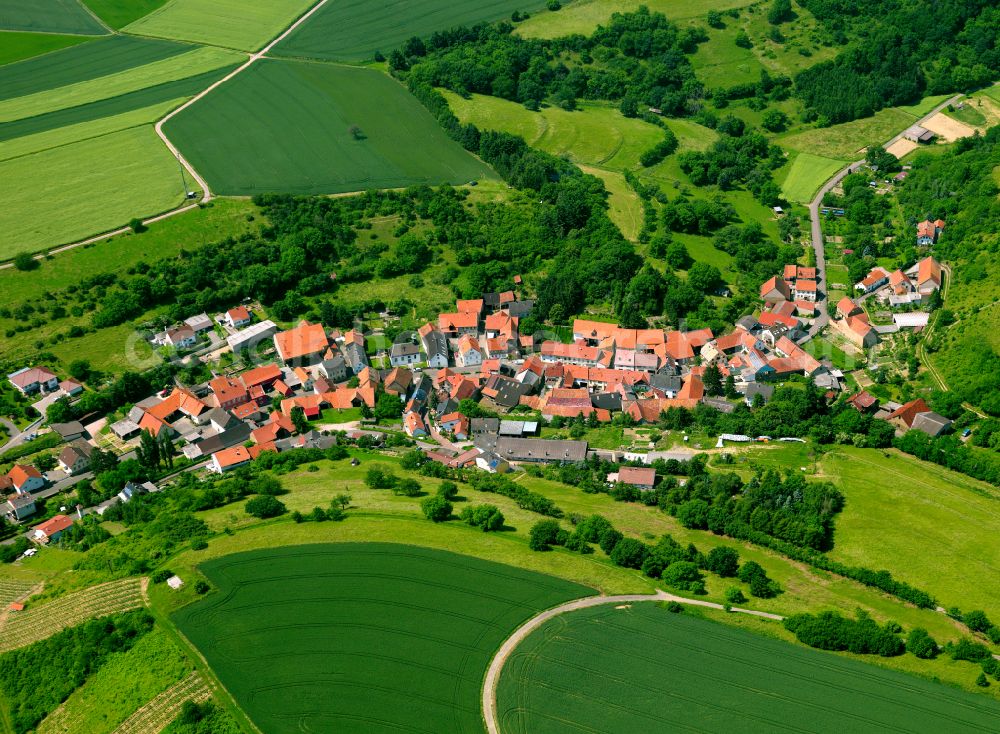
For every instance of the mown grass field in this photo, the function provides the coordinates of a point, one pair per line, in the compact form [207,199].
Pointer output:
[582,16]
[127,681]
[242,145]
[48,16]
[935,528]
[806,174]
[644,669]
[361,637]
[353,30]
[67,193]
[21,46]
[119,13]
[246,25]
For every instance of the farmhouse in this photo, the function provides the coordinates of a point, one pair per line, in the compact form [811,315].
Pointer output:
[846,307]
[928,231]
[31,380]
[540,450]
[228,392]
[876,278]
[927,274]
[774,290]
[918,134]
[643,478]
[305,344]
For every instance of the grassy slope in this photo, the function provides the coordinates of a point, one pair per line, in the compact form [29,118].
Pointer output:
[806,174]
[119,13]
[568,675]
[127,681]
[241,24]
[374,636]
[48,16]
[935,528]
[81,190]
[353,30]
[21,46]
[401,144]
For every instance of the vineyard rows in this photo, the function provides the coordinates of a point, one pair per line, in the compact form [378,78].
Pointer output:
[37,623]
[158,713]
[12,590]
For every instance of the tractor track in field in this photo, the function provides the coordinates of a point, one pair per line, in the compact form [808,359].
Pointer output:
[492,679]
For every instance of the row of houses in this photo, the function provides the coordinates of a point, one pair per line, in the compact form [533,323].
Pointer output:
[914,415]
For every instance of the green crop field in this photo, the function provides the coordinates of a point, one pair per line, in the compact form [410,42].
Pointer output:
[353,30]
[119,13]
[66,193]
[935,528]
[243,145]
[21,46]
[806,174]
[361,637]
[645,669]
[246,25]
[125,682]
[48,16]
[583,16]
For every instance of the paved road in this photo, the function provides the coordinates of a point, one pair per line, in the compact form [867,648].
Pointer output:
[18,438]
[522,632]
[817,227]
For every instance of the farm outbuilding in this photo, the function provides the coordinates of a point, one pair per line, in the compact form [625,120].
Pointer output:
[918,134]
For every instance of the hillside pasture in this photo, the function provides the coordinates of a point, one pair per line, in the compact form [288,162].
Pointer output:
[934,526]
[49,16]
[641,668]
[21,46]
[583,16]
[361,636]
[353,30]
[66,193]
[119,13]
[719,62]
[323,129]
[806,174]
[246,25]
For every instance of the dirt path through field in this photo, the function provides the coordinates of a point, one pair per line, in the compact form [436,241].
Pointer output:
[521,633]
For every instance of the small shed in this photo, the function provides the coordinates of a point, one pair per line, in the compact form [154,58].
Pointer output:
[175,582]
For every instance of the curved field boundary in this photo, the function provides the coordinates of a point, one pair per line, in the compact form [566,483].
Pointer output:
[37,623]
[156,715]
[521,633]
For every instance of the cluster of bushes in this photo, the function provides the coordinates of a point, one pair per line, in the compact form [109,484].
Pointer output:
[831,631]
[37,678]
[524,497]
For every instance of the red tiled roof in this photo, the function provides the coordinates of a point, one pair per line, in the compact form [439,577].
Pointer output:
[54,525]
[21,473]
[266,374]
[304,340]
[239,313]
[636,475]
[907,413]
[231,456]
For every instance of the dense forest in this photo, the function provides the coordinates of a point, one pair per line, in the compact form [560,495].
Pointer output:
[898,51]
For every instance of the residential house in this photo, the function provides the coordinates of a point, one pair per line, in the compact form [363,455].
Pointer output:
[305,344]
[489,462]
[455,423]
[71,387]
[876,278]
[30,380]
[52,529]
[805,290]
[334,367]
[928,276]
[904,416]
[228,392]
[414,425]
[398,382]
[480,426]
[435,346]
[753,389]
[25,478]
[263,377]
[404,354]
[858,330]
[846,307]
[354,353]
[643,478]
[181,337]
[19,506]
[467,353]
[229,459]
[928,231]
[133,489]
[863,402]
[455,325]
[899,283]
[238,317]
[75,458]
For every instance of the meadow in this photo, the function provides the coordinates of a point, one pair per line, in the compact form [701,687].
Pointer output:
[641,668]
[807,173]
[49,16]
[21,46]
[361,636]
[246,25]
[355,129]
[354,30]
[582,16]
[934,527]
